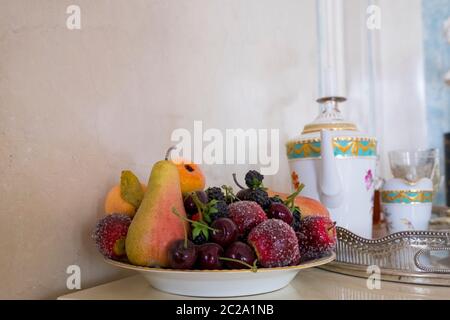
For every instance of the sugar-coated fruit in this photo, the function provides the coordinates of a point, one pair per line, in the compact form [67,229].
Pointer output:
[110,233]
[189,204]
[239,251]
[191,177]
[275,244]
[208,256]
[316,237]
[246,215]
[280,211]
[226,232]
[182,254]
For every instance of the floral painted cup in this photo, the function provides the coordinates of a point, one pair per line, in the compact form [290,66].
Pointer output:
[407,206]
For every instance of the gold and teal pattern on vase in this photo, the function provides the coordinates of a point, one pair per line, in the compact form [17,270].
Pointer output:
[343,147]
[406,196]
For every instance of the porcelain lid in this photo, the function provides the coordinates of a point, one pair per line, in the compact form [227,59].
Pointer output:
[348,141]
[330,118]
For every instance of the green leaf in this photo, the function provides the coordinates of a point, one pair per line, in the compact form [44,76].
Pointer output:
[205,233]
[131,189]
[207,218]
[209,209]
[195,232]
[200,228]
[256,183]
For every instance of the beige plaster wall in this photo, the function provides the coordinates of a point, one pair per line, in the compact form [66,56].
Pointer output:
[78,106]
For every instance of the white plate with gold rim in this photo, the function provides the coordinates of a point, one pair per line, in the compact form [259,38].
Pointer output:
[221,283]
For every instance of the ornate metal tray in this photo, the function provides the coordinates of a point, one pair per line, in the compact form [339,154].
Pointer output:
[421,257]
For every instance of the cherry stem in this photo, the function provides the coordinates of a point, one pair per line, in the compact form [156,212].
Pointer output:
[235,181]
[253,267]
[169,151]
[200,206]
[195,223]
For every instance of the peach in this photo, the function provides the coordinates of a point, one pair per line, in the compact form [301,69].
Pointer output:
[308,206]
[115,204]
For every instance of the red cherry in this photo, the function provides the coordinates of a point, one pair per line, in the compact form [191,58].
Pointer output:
[239,251]
[182,255]
[208,256]
[280,211]
[226,231]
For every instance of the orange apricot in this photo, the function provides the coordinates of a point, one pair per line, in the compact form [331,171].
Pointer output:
[191,177]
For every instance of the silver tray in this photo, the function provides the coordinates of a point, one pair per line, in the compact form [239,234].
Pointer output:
[421,257]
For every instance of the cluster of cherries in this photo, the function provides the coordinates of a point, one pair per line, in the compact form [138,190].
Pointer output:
[225,235]
[184,255]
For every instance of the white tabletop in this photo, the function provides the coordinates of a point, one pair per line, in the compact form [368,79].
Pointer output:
[309,284]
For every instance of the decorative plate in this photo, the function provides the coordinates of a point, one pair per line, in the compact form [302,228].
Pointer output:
[221,283]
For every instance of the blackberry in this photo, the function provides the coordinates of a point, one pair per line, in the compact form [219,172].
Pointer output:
[260,196]
[215,193]
[276,199]
[297,216]
[200,239]
[222,211]
[253,179]
[243,194]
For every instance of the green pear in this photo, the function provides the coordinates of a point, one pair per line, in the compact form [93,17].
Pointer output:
[155,226]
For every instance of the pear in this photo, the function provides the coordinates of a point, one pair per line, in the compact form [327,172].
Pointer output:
[155,227]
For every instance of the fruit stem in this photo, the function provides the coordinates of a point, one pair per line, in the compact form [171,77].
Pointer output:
[195,223]
[235,181]
[185,236]
[291,198]
[253,267]
[169,151]
[229,194]
[200,206]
